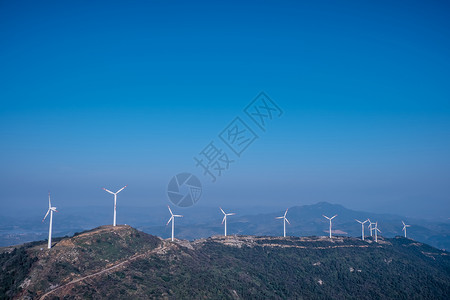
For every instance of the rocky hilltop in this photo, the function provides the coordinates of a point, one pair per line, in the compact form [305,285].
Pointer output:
[123,263]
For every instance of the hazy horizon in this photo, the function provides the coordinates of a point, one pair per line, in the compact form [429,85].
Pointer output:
[242,208]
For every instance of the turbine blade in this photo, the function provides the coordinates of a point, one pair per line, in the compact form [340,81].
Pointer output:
[121,189]
[170,210]
[287,221]
[231,214]
[222,210]
[46,215]
[334,216]
[180,216]
[403,223]
[279,217]
[49,203]
[169,220]
[224,218]
[286,212]
[359,221]
[108,191]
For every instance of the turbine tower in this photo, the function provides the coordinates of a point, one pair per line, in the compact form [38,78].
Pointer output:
[172,218]
[330,221]
[50,210]
[225,219]
[404,227]
[376,230]
[362,227]
[284,222]
[115,201]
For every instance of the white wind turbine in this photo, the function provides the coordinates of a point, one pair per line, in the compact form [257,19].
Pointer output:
[370,226]
[172,218]
[404,227]
[362,227]
[376,230]
[225,219]
[50,210]
[115,201]
[284,222]
[330,221]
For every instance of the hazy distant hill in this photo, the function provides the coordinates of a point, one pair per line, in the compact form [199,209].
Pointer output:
[123,263]
[307,220]
[201,222]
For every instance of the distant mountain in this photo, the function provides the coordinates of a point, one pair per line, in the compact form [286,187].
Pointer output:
[307,220]
[124,263]
[202,222]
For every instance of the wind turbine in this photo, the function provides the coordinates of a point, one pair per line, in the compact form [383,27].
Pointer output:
[225,219]
[115,201]
[376,231]
[370,226]
[50,210]
[172,218]
[362,227]
[330,221]
[284,222]
[404,227]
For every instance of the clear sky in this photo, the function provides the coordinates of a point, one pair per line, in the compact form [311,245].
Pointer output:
[128,92]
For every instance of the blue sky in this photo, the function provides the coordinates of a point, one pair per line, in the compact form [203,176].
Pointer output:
[117,93]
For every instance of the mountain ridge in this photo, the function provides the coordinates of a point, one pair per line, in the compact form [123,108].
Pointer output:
[122,262]
[307,220]
[201,222]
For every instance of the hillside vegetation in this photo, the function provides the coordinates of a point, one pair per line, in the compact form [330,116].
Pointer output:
[123,263]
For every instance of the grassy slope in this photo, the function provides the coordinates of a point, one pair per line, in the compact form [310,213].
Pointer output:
[288,268]
[399,270]
[71,258]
